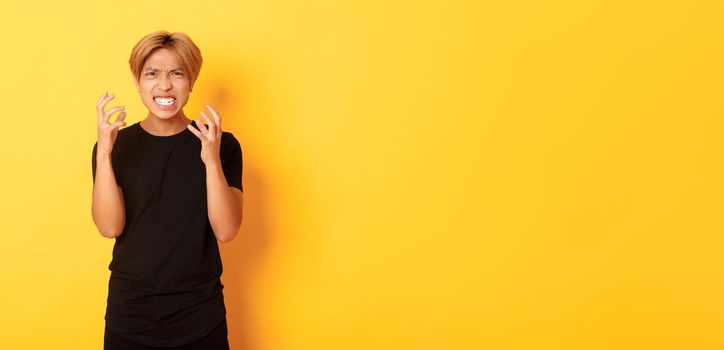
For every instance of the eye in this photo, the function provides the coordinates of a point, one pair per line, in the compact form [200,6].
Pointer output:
[177,73]
[150,74]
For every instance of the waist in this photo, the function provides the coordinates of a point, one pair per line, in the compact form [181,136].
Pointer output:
[171,288]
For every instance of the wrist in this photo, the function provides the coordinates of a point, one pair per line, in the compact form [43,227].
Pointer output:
[102,155]
[213,166]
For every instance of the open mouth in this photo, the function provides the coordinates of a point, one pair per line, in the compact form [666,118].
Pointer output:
[165,101]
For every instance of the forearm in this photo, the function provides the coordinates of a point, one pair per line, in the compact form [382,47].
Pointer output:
[108,211]
[224,209]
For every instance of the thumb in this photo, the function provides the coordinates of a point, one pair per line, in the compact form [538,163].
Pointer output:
[118,124]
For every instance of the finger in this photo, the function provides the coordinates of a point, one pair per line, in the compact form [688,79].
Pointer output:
[101,113]
[201,126]
[193,130]
[218,127]
[120,121]
[101,98]
[118,124]
[212,126]
[217,118]
[107,116]
[121,117]
[214,113]
[110,112]
[99,108]
[105,100]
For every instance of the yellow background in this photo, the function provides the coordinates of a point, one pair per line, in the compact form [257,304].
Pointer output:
[417,175]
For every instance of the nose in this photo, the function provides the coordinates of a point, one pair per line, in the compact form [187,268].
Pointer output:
[164,83]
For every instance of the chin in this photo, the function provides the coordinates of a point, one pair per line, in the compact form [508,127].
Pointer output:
[162,114]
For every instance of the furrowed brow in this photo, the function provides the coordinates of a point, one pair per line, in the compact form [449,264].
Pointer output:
[171,70]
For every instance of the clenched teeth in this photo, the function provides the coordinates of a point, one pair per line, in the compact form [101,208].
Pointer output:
[165,101]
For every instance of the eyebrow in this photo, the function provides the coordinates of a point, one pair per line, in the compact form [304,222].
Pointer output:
[155,69]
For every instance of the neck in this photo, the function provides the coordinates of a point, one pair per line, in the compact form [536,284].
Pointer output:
[165,127]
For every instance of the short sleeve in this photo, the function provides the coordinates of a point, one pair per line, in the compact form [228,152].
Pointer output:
[232,161]
[93,161]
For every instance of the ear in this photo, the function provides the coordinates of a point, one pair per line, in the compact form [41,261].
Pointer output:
[138,85]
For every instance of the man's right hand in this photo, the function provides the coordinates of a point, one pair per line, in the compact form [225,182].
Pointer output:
[108,132]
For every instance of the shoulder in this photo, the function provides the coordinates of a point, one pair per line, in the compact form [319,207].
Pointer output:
[127,131]
[127,137]
[229,140]
[230,149]
[228,135]
[122,138]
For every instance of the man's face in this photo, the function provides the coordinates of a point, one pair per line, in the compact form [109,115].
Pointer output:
[164,85]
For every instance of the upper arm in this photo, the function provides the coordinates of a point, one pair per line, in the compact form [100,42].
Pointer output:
[232,160]
[123,200]
[238,195]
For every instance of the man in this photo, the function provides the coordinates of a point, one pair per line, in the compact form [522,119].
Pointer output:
[167,191]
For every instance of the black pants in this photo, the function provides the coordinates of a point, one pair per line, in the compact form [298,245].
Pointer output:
[216,340]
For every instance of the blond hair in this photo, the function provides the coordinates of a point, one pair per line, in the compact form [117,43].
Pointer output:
[177,42]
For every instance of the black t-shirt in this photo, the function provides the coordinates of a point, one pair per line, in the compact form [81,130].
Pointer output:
[165,287]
